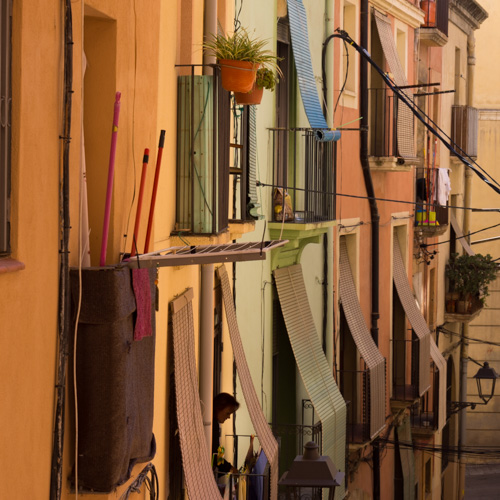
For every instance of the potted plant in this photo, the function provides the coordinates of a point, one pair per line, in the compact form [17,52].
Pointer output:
[239,57]
[469,276]
[266,79]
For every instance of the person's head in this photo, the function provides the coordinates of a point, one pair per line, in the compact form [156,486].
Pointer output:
[224,406]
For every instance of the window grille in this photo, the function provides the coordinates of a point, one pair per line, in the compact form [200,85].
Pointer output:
[5,120]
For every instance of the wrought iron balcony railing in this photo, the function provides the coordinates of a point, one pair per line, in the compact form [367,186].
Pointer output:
[405,369]
[383,123]
[424,413]
[203,124]
[354,387]
[303,176]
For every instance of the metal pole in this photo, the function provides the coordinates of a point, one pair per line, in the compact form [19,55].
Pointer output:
[207,348]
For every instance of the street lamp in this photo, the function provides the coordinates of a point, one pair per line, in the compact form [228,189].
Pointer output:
[486,378]
[311,471]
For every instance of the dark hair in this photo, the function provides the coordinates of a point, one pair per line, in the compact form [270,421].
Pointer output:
[225,400]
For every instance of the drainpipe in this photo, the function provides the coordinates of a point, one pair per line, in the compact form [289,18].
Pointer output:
[207,349]
[375,217]
[209,29]
[464,350]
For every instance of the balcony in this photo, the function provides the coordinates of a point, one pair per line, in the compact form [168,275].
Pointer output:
[354,384]
[241,483]
[304,169]
[424,412]
[383,151]
[405,372]
[464,129]
[431,218]
[434,31]
[203,126]
[460,310]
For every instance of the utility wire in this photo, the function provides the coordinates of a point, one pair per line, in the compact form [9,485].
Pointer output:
[493,184]
[389,200]
[424,245]
[468,339]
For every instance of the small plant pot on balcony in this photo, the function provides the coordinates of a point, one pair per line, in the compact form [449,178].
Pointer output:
[429,8]
[238,76]
[463,306]
[252,97]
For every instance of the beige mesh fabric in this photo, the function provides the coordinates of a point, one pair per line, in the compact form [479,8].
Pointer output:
[367,348]
[264,433]
[403,432]
[313,365]
[460,235]
[200,481]
[440,363]
[406,146]
[415,318]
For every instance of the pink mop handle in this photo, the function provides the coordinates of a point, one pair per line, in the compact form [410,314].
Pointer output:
[111,172]
[145,161]
[155,188]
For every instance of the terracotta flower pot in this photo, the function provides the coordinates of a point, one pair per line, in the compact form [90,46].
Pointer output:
[429,7]
[252,97]
[238,76]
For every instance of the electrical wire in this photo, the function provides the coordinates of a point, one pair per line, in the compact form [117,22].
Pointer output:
[389,200]
[468,339]
[125,235]
[492,183]
[458,237]
[152,484]
[345,77]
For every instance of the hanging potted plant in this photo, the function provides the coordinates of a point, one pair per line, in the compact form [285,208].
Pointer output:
[239,58]
[469,276]
[266,79]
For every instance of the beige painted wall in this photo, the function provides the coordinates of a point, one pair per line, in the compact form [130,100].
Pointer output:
[132,49]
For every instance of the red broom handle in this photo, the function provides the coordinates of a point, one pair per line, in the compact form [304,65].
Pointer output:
[139,202]
[155,188]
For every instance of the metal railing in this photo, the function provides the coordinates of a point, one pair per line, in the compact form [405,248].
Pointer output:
[242,482]
[203,127]
[383,123]
[304,168]
[428,212]
[405,369]
[424,413]
[354,386]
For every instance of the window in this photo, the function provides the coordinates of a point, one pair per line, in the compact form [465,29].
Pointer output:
[428,477]
[349,58]
[5,120]
[401,46]
[458,75]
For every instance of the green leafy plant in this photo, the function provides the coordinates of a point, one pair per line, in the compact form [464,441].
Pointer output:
[470,275]
[241,47]
[266,79]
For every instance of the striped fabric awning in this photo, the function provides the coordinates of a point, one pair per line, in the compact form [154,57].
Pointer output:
[253,202]
[200,481]
[440,363]
[415,318]
[460,235]
[405,134]
[403,433]
[367,348]
[264,433]
[307,83]
[313,365]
